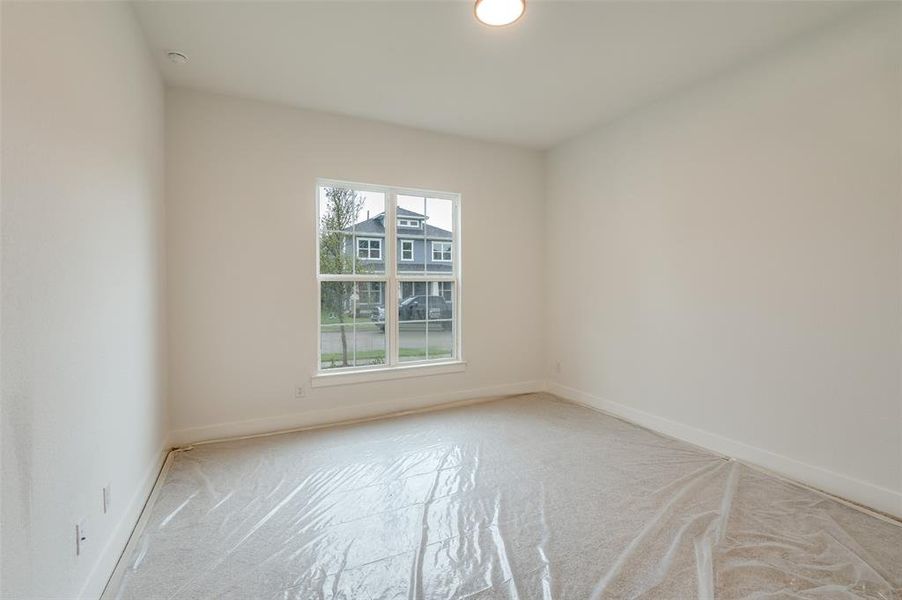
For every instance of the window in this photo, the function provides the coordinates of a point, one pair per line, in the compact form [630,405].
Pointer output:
[441,251]
[369,294]
[384,308]
[407,250]
[369,248]
[412,288]
[445,290]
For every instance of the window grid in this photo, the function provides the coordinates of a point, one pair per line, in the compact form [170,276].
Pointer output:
[447,282]
[407,254]
[441,251]
[369,248]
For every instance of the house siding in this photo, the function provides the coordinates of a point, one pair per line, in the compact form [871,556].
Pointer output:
[422,263]
[422,255]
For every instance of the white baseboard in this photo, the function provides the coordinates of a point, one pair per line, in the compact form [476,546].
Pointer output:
[115,580]
[345,414]
[109,555]
[868,494]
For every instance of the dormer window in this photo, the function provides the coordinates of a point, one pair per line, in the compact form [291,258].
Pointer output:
[409,223]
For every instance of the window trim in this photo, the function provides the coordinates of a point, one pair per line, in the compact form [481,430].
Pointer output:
[392,278]
[413,255]
[369,248]
[402,371]
[409,223]
[450,251]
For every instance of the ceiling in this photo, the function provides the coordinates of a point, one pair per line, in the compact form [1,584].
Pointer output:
[563,68]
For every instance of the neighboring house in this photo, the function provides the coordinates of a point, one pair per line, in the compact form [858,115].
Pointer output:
[422,248]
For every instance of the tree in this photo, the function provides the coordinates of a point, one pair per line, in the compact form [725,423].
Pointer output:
[336,255]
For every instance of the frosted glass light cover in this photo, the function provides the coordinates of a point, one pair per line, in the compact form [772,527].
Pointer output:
[499,12]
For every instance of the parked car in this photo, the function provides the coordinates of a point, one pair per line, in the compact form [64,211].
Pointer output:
[414,309]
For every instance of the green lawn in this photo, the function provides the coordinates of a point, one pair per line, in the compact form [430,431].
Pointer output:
[333,320]
[361,324]
[370,355]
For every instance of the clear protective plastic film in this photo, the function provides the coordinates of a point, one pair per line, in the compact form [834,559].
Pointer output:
[526,497]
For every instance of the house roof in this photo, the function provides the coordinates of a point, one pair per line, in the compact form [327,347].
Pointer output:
[376,225]
[403,212]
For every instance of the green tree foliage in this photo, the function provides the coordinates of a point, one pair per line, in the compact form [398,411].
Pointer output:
[336,255]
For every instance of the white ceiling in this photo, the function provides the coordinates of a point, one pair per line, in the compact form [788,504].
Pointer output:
[563,68]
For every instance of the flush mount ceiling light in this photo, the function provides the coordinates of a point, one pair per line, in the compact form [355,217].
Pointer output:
[499,12]
[177,57]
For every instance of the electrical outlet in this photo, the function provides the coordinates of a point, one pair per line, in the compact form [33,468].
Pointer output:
[300,392]
[81,537]
[107,497]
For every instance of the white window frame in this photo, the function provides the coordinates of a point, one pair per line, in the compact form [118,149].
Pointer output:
[369,249]
[412,251]
[449,251]
[409,223]
[392,278]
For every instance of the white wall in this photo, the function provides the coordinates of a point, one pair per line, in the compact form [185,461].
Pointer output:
[241,267]
[82,120]
[725,264]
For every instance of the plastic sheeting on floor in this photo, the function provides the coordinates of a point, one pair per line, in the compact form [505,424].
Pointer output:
[527,497]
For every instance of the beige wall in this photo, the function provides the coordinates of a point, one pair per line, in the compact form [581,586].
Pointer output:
[242,288]
[725,264]
[83,406]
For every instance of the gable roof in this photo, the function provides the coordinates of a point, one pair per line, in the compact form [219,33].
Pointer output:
[376,225]
[403,212]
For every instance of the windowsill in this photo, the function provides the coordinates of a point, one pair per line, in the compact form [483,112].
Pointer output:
[387,373]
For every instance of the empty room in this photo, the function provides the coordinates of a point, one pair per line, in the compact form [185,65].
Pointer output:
[450,299]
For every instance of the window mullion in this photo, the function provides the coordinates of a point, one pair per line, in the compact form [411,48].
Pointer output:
[350,277]
[430,277]
[391,269]
[455,269]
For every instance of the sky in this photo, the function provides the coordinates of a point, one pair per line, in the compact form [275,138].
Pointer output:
[438,211]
